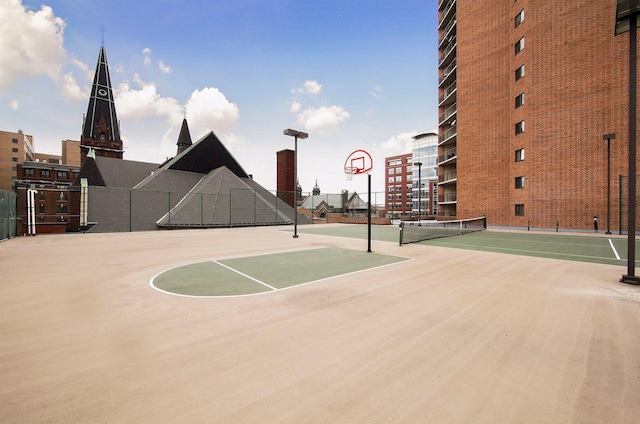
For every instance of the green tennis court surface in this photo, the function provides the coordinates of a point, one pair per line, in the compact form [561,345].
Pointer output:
[260,274]
[585,248]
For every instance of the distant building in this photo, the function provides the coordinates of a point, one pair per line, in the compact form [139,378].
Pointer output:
[425,151]
[15,148]
[399,185]
[52,201]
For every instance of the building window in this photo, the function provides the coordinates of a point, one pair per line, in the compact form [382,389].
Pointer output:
[519,46]
[391,171]
[520,73]
[61,175]
[14,159]
[520,209]
[41,194]
[41,209]
[62,196]
[399,179]
[520,127]
[519,18]
[62,209]
[519,182]
[519,100]
[391,189]
[14,140]
[519,155]
[398,170]
[14,149]
[44,173]
[391,179]
[29,173]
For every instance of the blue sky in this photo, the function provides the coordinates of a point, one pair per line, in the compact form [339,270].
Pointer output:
[354,74]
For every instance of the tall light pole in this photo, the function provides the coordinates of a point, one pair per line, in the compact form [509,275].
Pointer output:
[296,135]
[419,165]
[627,20]
[609,137]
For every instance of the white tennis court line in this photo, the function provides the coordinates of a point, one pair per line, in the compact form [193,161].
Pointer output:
[244,275]
[615,252]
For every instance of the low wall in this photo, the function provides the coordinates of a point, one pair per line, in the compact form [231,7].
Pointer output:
[336,218]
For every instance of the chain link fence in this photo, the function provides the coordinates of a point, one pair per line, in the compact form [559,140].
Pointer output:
[115,210]
[8,215]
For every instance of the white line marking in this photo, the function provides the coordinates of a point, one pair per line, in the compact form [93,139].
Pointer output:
[244,275]
[614,250]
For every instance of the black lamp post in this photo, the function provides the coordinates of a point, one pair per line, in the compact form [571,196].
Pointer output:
[627,20]
[296,135]
[609,137]
[419,165]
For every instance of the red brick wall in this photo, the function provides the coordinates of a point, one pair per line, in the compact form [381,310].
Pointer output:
[575,92]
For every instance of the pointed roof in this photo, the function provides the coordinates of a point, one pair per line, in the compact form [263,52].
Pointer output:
[204,156]
[184,139]
[101,103]
[91,172]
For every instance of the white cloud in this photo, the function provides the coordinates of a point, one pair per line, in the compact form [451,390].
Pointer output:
[13,105]
[209,110]
[309,87]
[295,107]
[145,101]
[146,53]
[31,43]
[322,119]
[398,144]
[70,89]
[164,68]
[377,91]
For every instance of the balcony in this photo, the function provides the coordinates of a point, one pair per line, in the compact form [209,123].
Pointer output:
[447,95]
[449,10]
[448,71]
[446,33]
[447,53]
[447,198]
[447,157]
[448,115]
[448,177]
[448,136]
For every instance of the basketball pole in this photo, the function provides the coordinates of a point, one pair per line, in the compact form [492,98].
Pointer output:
[369,216]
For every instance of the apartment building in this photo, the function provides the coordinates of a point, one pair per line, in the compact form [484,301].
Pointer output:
[527,89]
[15,148]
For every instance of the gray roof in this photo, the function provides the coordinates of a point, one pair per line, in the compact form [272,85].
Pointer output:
[124,173]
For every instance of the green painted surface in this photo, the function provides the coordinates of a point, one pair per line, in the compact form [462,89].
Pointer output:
[279,271]
[293,268]
[206,279]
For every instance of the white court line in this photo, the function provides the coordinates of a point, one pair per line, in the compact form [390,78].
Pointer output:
[614,250]
[245,275]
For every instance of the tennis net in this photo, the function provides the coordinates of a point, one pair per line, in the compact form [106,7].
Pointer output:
[412,232]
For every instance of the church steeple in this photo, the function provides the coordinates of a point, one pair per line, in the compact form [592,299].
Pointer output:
[184,139]
[101,130]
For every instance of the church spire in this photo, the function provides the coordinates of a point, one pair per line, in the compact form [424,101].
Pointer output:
[184,139]
[101,130]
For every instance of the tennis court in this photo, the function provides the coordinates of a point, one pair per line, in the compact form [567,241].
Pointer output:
[584,247]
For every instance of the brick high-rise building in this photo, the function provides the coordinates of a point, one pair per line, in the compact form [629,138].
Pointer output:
[527,90]
[398,185]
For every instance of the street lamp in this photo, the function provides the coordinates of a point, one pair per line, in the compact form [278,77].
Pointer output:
[609,137]
[419,165]
[627,20]
[296,135]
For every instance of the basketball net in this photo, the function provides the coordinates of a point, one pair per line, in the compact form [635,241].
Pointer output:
[349,171]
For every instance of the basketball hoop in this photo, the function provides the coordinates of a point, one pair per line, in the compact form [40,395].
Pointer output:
[358,162]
